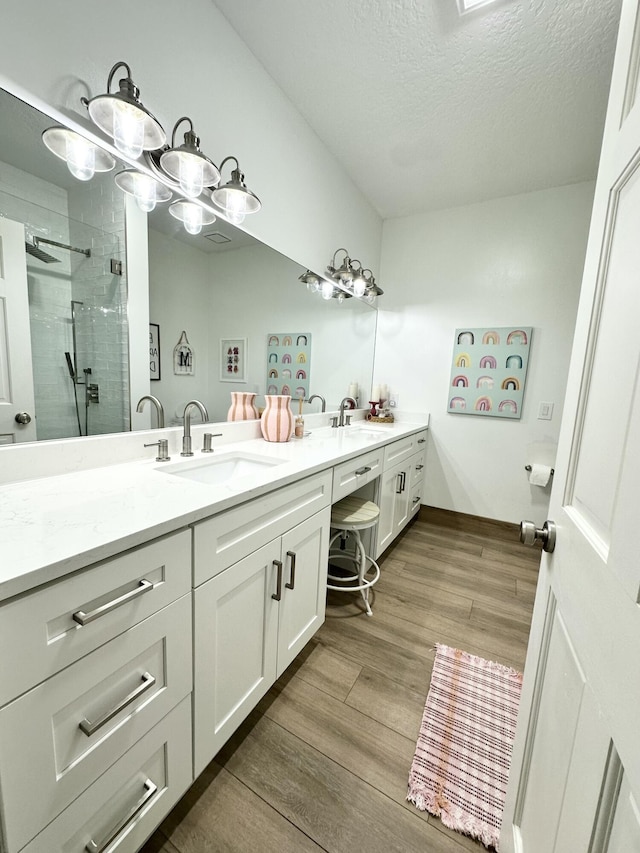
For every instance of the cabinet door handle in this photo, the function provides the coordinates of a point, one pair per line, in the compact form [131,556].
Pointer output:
[416,500]
[149,790]
[421,440]
[83,618]
[292,582]
[90,728]
[364,470]
[419,467]
[403,477]
[399,483]
[277,595]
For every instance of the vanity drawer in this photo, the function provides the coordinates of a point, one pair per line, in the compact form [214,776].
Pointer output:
[59,737]
[400,450]
[416,474]
[221,541]
[416,495]
[122,802]
[118,592]
[349,476]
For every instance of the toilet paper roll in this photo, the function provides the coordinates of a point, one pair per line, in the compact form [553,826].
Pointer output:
[540,475]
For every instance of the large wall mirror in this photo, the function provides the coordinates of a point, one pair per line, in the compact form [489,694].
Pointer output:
[65,290]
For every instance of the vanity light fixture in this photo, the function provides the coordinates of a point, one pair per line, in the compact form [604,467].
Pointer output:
[352,278]
[83,158]
[145,189]
[187,164]
[234,197]
[123,117]
[312,281]
[192,215]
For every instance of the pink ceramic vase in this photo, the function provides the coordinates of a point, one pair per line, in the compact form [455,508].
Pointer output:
[242,407]
[277,419]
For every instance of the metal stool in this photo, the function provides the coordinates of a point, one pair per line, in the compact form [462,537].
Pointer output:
[350,516]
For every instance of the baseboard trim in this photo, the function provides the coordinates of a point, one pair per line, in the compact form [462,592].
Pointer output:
[466,523]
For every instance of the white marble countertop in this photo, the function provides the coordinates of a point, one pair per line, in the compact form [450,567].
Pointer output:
[53,526]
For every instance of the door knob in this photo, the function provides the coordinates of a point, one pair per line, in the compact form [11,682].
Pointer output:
[529,534]
[23,418]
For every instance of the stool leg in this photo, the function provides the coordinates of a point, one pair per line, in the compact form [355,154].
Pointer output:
[363,567]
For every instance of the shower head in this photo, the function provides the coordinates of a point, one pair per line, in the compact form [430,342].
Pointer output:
[40,254]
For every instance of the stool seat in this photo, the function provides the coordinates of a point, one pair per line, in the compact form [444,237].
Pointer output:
[355,513]
[348,517]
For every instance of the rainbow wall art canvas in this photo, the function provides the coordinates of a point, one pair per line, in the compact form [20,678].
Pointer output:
[488,371]
[288,363]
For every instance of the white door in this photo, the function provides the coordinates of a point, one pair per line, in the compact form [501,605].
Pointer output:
[16,377]
[575,779]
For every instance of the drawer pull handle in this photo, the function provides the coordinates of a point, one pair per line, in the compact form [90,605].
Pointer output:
[292,582]
[149,790]
[421,440]
[364,470]
[277,595]
[419,467]
[416,500]
[399,482]
[90,728]
[83,618]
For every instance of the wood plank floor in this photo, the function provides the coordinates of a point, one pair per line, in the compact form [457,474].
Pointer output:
[322,763]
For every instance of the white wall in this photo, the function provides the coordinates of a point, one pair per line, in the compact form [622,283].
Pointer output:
[187,60]
[514,260]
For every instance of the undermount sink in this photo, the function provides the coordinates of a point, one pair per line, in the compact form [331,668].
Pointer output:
[221,469]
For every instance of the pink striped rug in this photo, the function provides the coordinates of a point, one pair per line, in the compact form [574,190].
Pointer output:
[461,765]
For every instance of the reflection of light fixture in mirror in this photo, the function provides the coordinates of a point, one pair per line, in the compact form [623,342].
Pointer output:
[83,158]
[123,117]
[192,215]
[353,277]
[145,189]
[187,164]
[311,280]
[234,197]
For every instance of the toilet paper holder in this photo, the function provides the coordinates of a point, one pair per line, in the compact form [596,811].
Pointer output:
[528,468]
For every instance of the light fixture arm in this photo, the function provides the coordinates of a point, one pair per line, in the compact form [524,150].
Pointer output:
[333,259]
[112,73]
[226,159]
[175,128]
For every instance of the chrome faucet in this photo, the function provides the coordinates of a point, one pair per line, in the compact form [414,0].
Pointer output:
[343,403]
[186,416]
[318,397]
[157,404]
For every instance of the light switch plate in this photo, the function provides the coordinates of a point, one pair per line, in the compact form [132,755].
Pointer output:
[545,411]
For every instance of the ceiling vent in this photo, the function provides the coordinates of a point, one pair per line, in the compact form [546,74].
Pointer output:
[217,237]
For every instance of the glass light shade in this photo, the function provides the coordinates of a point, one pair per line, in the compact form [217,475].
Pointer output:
[326,290]
[236,200]
[145,189]
[83,157]
[192,215]
[359,286]
[128,123]
[191,169]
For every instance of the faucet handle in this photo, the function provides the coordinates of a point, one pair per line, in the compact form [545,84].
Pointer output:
[348,420]
[163,449]
[206,447]
[334,422]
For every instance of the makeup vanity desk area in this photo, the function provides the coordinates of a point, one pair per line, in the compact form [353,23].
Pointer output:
[144,614]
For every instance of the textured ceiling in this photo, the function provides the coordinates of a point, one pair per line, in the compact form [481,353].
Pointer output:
[427,109]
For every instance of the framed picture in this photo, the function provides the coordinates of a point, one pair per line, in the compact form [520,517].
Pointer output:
[233,360]
[154,350]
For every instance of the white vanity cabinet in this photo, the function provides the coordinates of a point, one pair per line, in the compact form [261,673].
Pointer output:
[401,487]
[102,659]
[264,566]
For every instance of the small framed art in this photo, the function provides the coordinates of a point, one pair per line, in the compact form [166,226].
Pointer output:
[154,351]
[233,360]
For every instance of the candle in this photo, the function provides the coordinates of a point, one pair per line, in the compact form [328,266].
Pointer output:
[375,393]
[353,390]
[384,392]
